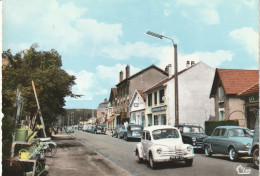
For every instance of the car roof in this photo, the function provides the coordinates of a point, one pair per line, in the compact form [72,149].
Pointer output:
[231,127]
[156,127]
[187,125]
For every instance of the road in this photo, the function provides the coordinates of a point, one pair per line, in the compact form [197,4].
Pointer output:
[121,153]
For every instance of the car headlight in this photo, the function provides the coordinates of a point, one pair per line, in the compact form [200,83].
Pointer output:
[189,148]
[248,145]
[159,150]
[193,139]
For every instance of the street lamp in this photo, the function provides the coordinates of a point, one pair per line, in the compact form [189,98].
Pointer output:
[175,72]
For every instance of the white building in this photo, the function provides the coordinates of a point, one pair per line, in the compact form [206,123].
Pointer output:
[195,106]
[137,108]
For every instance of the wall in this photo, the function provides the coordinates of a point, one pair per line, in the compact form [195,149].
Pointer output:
[195,106]
[236,104]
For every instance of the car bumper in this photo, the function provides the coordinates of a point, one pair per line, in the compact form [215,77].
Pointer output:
[244,152]
[159,158]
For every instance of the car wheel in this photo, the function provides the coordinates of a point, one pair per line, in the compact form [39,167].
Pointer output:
[138,159]
[189,162]
[116,135]
[152,164]
[232,154]
[256,157]
[207,150]
[125,137]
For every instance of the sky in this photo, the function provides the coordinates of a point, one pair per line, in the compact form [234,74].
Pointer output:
[97,39]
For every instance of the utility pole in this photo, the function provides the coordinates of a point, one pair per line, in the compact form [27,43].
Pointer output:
[176,85]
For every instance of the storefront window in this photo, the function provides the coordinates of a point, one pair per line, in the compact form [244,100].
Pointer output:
[156,120]
[163,119]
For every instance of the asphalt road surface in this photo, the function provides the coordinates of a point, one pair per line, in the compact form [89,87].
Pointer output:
[120,152]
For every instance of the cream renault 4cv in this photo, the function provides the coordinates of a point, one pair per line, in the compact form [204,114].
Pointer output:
[162,144]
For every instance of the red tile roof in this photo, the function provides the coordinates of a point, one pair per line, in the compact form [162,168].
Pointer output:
[234,81]
[142,94]
[254,89]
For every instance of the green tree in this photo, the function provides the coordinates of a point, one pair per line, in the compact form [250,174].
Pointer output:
[52,84]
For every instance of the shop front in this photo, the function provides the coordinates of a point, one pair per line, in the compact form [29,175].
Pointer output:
[252,110]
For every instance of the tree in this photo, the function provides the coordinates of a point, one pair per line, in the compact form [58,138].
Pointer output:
[52,83]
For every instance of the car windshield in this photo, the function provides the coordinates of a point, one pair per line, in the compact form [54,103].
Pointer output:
[193,129]
[136,128]
[239,133]
[99,127]
[165,133]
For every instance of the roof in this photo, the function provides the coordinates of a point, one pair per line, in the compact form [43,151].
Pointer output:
[103,105]
[144,70]
[113,93]
[231,127]
[141,94]
[234,81]
[254,89]
[156,127]
[168,79]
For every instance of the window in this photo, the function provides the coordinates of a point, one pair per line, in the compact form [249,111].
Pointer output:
[155,98]
[220,93]
[150,99]
[161,94]
[147,136]
[216,132]
[163,119]
[221,113]
[223,132]
[156,121]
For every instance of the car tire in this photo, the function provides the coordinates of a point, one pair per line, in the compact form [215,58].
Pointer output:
[188,162]
[256,157]
[152,164]
[207,150]
[125,137]
[138,159]
[232,154]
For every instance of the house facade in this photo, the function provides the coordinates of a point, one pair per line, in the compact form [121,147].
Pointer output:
[111,112]
[226,87]
[102,112]
[194,84]
[137,108]
[126,87]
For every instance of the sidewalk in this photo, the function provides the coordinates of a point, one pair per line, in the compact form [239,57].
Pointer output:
[74,159]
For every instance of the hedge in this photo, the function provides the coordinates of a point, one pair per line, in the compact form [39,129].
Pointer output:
[211,125]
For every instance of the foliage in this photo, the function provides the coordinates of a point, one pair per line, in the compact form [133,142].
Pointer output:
[211,125]
[52,83]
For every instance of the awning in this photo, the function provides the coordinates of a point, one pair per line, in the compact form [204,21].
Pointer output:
[113,117]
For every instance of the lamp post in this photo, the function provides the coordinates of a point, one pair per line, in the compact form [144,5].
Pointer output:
[175,73]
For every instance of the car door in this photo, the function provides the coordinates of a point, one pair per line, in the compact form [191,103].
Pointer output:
[214,140]
[221,141]
[146,142]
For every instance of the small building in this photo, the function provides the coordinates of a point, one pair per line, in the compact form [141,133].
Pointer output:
[111,115]
[102,112]
[227,88]
[137,108]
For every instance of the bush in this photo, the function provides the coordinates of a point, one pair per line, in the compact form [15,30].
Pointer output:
[211,125]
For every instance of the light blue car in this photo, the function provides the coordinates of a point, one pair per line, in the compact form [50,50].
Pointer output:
[235,141]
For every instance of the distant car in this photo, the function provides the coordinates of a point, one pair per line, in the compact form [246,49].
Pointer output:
[254,152]
[91,128]
[117,130]
[133,131]
[80,126]
[85,127]
[69,129]
[99,129]
[163,143]
[235,141]
[192,134]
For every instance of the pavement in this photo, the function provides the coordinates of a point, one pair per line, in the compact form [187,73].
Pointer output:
[75,159]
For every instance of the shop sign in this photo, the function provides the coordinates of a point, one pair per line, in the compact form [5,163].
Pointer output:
[162,108]
[253,99]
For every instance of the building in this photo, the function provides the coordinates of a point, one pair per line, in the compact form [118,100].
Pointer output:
[137,108]
[194,84]
[228,84]
[112,116]
[126,87]
[251,99]
[102,112]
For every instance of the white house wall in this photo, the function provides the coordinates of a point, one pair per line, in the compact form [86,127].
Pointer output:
[195,106]
[137,111]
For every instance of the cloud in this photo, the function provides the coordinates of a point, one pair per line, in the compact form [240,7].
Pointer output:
[248,38]
[167,12]
[210,16]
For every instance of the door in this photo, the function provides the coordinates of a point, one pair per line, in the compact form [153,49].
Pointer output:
[214,138]
[146,143]
[222,141]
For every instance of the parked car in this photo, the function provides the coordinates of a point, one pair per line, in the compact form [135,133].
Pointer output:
[163,143]
[85,127]
[99,129]
[235,141]
[69,129]
[92,128]
[193,135]
[117,130]
[133,131]
[254,152]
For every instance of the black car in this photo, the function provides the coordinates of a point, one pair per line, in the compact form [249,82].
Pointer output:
[99,129]
[193,135]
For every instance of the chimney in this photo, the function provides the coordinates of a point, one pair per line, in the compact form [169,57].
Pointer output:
[120,76]
[170,72]
[166,69]
[127,71]
[192,63]
[188,64]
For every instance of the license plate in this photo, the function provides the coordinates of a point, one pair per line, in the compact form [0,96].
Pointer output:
[176,157]
[98,131]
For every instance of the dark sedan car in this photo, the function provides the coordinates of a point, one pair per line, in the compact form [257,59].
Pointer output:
[193,135]
[133,132]
[235,141]
[99,129]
